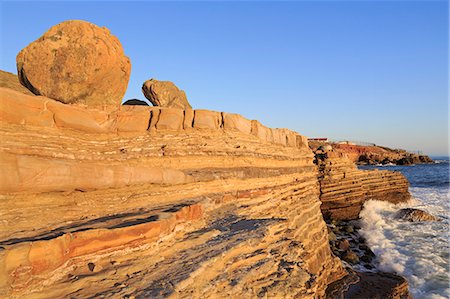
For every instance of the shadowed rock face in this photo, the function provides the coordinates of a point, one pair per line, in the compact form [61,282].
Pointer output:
[415,215]
[76,62]
[165,94]
[135,102]
[11,81]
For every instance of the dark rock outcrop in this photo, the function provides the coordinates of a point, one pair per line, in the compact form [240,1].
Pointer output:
[414,215]
[76,62]
[135,102]
[165,94]
[369,285]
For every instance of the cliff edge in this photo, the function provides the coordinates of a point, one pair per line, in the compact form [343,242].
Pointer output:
[102,200]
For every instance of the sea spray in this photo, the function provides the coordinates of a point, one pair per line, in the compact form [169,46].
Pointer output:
[417,251]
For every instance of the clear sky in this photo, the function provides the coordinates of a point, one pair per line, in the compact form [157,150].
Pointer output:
[373,71]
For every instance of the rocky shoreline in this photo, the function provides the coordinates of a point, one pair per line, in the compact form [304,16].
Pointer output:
[107,200]
[364,279]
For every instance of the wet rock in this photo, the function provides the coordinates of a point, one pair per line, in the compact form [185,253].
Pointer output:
[343,244]
[349,229]
[414,215]
[76,62]
[365,285]
[331,236]
[350,257]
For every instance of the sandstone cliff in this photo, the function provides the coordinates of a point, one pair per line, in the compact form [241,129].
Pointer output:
[344,188]
[101,200]
[152,202]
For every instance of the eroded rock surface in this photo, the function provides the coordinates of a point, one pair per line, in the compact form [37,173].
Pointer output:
[11,81]
[344,188]
[165,94]
[163,203]
[76,62]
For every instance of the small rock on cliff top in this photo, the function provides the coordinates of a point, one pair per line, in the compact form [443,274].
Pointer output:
[76,62]
[165,94]
[415,215]
[11,81]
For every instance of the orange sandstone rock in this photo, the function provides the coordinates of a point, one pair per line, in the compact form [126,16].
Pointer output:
[205,119]
[165,94]
[76,62]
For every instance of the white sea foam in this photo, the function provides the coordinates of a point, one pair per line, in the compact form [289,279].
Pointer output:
[418,251]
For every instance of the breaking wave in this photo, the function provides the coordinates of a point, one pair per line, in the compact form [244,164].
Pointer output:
[418,251]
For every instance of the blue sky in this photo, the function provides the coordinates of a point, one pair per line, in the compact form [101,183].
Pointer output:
[373,71]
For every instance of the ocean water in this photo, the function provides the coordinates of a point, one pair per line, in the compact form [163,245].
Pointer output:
[417,251]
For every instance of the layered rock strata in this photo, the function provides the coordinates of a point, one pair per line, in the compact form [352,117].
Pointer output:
[344,188]
[151,203]
[374,155]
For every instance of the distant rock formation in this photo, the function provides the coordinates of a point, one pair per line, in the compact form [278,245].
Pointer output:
[135,102]
[414,215]
[76,62]
[165,94]
[374,155]
[11,81]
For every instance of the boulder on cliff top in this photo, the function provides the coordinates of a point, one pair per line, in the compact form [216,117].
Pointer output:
[165,94]
[76,62]
[414,215]
[11,81]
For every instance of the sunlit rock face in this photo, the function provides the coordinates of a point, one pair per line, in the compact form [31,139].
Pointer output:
[156,202]
[165,94]
[344,188]
[76,62]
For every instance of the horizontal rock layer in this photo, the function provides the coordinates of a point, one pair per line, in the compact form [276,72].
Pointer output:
[155,203]
[16,108]
[373,155]
[344,188]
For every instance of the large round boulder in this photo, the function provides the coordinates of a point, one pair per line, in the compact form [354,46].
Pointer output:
[165,94]
[76,62]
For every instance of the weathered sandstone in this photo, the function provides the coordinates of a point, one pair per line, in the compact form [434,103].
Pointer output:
[76,62]
[156,202]
[11,81]
[344,188]
[165,94]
